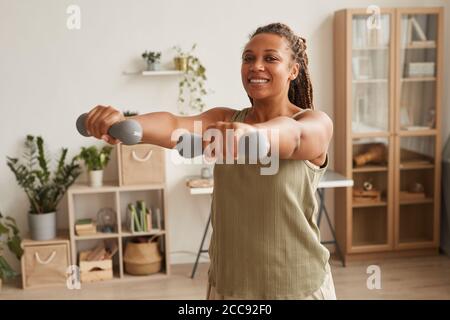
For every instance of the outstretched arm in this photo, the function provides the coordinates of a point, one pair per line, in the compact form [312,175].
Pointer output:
[306,138]
[157,126]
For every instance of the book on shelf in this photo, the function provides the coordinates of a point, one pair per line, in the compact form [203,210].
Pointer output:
[143,219]
[85,227]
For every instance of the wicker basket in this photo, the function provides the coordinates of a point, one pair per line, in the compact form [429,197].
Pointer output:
[142,258]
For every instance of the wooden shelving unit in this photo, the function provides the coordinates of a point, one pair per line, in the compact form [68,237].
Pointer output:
[85,201]
[377,101]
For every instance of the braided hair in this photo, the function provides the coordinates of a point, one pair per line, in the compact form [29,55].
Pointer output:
[300,89]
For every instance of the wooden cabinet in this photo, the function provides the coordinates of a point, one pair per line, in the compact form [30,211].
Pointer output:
[388,72]
[85,202]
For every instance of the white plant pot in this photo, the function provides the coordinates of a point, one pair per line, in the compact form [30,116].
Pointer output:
[96,178]
[42,226]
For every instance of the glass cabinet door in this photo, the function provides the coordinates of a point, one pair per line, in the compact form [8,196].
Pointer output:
[417,105]
[370,59]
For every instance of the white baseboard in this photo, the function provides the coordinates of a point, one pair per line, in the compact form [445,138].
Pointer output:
[180,257]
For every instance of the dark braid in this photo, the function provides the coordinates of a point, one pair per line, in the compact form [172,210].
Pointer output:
[300,89]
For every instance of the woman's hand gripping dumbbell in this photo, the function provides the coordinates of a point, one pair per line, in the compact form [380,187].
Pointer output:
[110,125]
[248,142]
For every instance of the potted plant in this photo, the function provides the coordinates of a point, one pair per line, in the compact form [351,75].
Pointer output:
[194,78]
[9,236]
[153,60]
[95,160]
[129,113]
[43,189]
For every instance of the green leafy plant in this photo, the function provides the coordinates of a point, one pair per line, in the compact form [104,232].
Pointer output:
[128,113]
[43,189]
[9,236]
[95,159]
[151,56]
[192,84]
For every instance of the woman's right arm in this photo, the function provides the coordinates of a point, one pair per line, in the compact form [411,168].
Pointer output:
[157,126]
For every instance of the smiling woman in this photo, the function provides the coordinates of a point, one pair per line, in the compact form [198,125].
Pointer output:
[265,241]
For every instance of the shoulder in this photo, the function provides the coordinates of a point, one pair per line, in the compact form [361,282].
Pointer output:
[316,116]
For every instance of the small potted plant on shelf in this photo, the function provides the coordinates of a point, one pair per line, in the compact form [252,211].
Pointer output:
[9,237]
[128,113]
[44,190]
[153,60]
[95,160]
[194,78]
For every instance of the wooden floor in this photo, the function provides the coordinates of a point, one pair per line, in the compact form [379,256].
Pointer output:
[405,278]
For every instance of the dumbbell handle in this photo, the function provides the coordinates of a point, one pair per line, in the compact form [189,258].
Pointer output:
[129,131]
[195,142]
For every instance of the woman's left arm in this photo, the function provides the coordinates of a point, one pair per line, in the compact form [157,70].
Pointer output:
[306,138]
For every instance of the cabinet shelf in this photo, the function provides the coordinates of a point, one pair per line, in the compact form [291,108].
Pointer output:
[417,133]
[356,81]
[372,48]
[418,166]
[98,235]
[154,73]
[418,79]
[370,168]
[416,201]
[128,233]
[369,204]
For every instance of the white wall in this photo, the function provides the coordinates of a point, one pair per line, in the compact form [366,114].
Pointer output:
[49,75]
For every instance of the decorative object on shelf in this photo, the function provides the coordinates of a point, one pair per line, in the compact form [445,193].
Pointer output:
[9,236]
[366,196]
[156,219]
[193,79]
[431,118]
[416,187]
[85,227]
[106,220]
[367,186]
[96,264]
[421,69]
[405,117]
[128,113]
[153,60]
[95,161]
[44,190]
[206,173]
[414,31]
[142,256]
[376,153]
[362,68]
[200,183]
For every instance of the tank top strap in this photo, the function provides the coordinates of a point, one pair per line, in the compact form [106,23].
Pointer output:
[239,116]
[299,113]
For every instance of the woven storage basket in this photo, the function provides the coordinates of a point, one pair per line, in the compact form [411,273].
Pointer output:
[142,258]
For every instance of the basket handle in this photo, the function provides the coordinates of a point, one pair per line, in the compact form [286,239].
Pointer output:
[49,259]
[137,158]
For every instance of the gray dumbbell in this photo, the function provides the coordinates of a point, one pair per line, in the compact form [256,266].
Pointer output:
[189,139]
[250,145]
[253,146]
[129,131]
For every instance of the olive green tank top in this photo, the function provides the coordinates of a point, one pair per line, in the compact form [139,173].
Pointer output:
[265,242]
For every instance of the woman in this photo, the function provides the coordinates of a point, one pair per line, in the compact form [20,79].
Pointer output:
[265,242]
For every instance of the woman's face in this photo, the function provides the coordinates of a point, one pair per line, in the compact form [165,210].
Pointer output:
[267,67]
